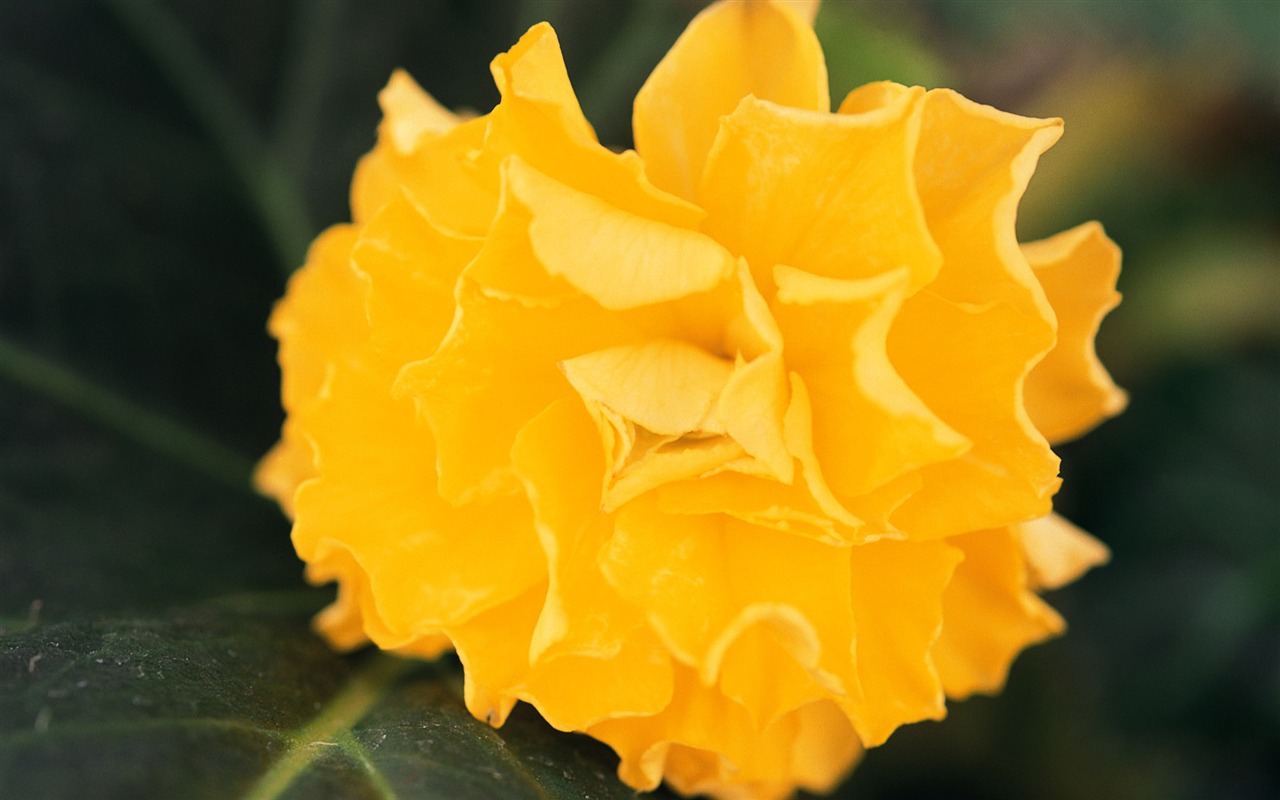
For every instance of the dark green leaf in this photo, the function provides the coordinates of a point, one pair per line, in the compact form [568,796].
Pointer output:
[239,700]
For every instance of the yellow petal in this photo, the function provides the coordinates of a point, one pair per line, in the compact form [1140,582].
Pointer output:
[704,743]
[436,161]
[574,692]
[319,325]
[533,71]
[668,565]
[1009,474]
[972,165]
[729,51]
[487,380]
[1070,391]
[740,577]
[698,717]
[619,259]
[981,324]
[766,659]
[804,609]
[989,614]
[489,376]
[539,120]
[454,176]
[1058,552]
[558,459]
[752,408]
[320,321]
[591,654]
[897,607]
[764,502]
[342,621]
[667,386]
[571,692]
[417,136]
[797,431]
[868,426]
[283,469]
[411,267]
[833,195]
[375,496]
[352,619]
[669,462]
[493,647]
[824,747]
[410,113]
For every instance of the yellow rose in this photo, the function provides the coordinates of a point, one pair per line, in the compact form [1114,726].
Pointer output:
[733,451]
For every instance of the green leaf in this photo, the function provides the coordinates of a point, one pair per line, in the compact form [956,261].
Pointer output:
[240,700]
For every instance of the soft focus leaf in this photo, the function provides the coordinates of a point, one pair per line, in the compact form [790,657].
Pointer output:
[237,699]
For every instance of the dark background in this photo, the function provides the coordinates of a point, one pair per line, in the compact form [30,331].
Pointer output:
[162,166]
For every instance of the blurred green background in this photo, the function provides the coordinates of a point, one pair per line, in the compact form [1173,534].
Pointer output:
[162,166]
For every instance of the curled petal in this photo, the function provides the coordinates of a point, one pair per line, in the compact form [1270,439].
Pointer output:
[868,426]
[1009,474]
[667,564]
[489,377]
[386,173]
[1058,552]
[729,51]
[648,261]
[1070,391]
[410,267]
[539,120]
[533,71]
[375,496]
[409,113]
[417,136]
[752,409]
[897,607]
[798,431]
[833,195]
[982,323]
[705,743]
[320,321]
[283,469]
[757,500]
[666,386]
[990,614]
[323,305]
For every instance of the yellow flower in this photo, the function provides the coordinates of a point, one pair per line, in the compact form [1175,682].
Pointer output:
[733,451]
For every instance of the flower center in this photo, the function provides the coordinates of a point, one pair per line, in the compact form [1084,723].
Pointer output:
[659,407]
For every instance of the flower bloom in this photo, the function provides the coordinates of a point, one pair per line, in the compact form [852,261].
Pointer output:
[732,452]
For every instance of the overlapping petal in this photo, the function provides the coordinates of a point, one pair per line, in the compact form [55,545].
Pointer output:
[810,190]
[991,614]
[1070,391]
[731,50]
[982,323]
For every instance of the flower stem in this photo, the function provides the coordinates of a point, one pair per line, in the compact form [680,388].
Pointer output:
[153,431]
[278,202]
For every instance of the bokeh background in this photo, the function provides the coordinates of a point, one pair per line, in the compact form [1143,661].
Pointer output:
[163,165]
